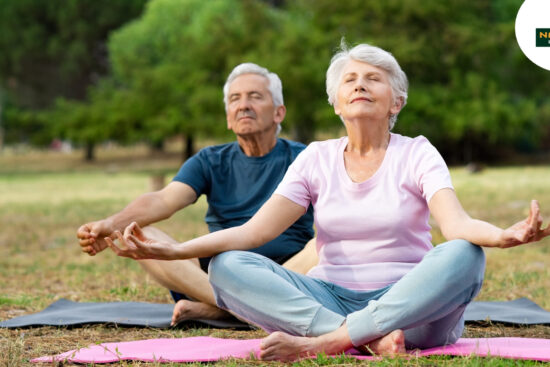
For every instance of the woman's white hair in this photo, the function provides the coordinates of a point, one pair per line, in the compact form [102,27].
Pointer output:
[372,55]
[274,85]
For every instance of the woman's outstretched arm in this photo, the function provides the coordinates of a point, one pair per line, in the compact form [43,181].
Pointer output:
[274,217]
[456,223]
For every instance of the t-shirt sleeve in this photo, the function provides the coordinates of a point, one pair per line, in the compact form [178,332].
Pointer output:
[295,185]
[429,169]
[193,173]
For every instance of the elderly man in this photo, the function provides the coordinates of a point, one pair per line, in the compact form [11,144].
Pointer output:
[237,179]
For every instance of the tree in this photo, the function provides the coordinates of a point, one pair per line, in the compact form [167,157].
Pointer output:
[174,60]
[56,48]
[472,90]
[52,49]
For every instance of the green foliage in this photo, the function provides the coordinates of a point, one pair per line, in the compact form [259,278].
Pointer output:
[299,53]
[26,126]
[472,91]
[52,49]
[172,62]
[56,48]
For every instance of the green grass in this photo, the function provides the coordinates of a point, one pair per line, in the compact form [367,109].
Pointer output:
[42,205]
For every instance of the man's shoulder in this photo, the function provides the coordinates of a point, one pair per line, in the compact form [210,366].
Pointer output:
[294,146]
[218,150]
[292,143]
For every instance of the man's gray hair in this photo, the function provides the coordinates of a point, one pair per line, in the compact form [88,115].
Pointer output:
[274,85]
[372,55]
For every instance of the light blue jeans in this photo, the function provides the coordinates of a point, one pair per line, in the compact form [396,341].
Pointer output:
[427,303]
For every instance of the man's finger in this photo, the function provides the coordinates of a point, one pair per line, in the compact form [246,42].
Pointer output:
[83,232]
[86,242]
[88,249]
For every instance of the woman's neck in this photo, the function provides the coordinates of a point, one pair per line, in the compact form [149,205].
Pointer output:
[367,136]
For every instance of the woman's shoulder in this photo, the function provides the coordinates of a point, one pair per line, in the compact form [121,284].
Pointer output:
[417,143]
[319,152]
[327,145]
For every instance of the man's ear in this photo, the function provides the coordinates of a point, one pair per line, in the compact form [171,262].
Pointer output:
[228,120]
[279,115]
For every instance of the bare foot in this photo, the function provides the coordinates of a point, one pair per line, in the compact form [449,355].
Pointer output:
[390,344]
[186,310]
[284,347]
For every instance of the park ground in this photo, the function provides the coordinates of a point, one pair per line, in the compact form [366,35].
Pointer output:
[45,196]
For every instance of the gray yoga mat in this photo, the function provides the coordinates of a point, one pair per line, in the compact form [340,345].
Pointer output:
[68,313]
[521,311]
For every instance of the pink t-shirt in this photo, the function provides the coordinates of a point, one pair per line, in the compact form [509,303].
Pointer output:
[369,234]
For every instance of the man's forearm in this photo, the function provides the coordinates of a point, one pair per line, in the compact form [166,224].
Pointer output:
[145,210]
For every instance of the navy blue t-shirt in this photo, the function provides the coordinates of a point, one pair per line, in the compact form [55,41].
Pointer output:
[236,186]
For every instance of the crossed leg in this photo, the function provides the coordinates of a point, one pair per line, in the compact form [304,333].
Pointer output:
[285,347]
[187,277]
[423,309]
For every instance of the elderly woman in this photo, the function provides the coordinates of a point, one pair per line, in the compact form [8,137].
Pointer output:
[380,283]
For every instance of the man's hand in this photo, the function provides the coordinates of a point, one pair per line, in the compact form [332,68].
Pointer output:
[91,236]
[135,245]
[528,230]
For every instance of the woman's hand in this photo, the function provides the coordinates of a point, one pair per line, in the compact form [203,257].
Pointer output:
[135,245]
[528,230]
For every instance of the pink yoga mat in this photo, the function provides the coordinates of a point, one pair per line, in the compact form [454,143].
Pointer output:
[207,349]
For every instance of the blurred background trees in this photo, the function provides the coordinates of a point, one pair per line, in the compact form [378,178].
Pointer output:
[132,71]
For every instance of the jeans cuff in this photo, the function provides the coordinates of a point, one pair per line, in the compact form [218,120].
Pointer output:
[362,328]
[324,322]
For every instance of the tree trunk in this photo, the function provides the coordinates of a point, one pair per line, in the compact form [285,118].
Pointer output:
[304,132]
[189,148]
[156,181]
[1,126]
[157,147]
[89,152]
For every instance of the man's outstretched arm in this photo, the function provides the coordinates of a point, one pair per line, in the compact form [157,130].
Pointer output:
[146,209]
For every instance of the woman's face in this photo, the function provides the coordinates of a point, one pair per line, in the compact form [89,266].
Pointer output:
[364,92]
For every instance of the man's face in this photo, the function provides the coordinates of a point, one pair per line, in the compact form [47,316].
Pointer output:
[250,107]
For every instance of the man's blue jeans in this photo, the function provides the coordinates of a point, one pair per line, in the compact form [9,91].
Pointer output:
[427,303]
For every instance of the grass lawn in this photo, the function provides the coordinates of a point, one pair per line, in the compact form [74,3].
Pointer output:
[44,198]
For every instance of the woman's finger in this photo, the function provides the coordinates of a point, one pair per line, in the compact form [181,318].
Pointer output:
[112,245]
[534,214]
[137,231]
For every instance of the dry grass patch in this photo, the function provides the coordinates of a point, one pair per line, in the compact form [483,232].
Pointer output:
[40,260]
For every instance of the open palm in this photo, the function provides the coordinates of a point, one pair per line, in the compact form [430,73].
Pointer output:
[528,230]
[135,245]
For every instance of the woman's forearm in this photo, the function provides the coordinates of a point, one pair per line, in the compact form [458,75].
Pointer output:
[475,231]
[235,238]
[456,223]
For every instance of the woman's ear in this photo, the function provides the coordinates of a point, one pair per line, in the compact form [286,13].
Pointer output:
[336,109]
[397,106]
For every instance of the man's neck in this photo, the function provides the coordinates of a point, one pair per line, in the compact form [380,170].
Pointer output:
[257,145]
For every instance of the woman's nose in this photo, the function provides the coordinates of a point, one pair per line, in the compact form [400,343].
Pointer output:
[360,85]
